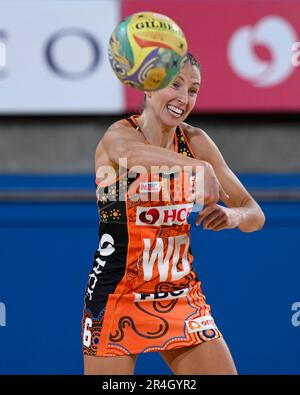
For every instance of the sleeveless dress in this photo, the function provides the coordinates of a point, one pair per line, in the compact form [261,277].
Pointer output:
[143,294]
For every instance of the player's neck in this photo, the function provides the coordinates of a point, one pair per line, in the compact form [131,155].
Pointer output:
[155,132]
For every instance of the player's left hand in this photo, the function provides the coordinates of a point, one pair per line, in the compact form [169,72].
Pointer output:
[216,217]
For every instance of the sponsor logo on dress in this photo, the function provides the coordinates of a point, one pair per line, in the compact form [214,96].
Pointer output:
[164,257]
[153,186]
[201,324]
[106,248]
[179,293]
[163,215]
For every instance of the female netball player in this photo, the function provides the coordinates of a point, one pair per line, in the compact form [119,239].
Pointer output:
[143,294]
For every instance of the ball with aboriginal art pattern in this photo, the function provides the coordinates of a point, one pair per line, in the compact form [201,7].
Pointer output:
[146,51]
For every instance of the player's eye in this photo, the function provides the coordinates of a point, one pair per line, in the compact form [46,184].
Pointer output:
[175,84]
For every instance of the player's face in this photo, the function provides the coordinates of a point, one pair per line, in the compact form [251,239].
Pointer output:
[174,103]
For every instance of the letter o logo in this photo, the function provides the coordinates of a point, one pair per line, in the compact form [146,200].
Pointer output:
[61,70]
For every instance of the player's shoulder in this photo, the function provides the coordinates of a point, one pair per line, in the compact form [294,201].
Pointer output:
[191,132]
[201,144]
[120,128]
[119,124]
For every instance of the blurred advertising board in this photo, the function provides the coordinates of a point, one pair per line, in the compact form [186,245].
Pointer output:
[53,54]
[249,51]
[54,57]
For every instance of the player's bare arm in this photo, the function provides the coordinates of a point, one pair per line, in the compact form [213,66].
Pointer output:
[243,211]
[121,141]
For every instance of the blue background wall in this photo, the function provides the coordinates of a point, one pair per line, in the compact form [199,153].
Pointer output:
[46,250]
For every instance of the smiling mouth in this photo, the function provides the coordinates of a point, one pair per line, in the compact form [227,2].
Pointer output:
[175,111]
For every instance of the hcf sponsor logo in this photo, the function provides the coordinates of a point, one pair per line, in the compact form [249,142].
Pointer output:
[106,248]
[163,215]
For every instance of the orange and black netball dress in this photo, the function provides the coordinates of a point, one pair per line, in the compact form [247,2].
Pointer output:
[143,294]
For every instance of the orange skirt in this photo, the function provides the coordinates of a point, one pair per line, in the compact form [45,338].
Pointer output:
[143,322]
